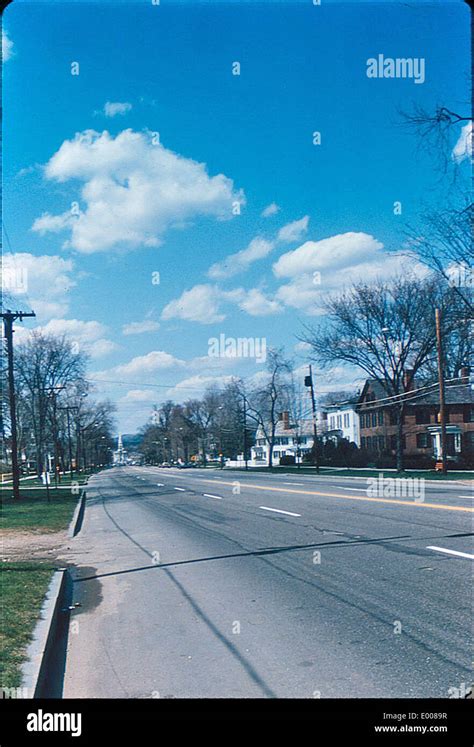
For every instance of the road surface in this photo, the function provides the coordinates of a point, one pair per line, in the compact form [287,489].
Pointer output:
[207,583]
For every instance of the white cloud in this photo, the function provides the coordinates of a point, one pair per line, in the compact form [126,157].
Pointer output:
[199,304]
[89,337]
[294,231]
[46,279]
[7,47]
[114,108]
[133,191]
[138,328]
[195,386]
[202,303]
[141,365]
[270,210]
[235,263]
[319,267]
[139,395]
[463,147]
[256,303]
[331,254]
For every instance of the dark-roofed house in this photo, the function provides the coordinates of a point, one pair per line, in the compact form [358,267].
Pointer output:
[421,427]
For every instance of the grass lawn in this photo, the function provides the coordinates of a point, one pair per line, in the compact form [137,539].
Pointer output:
[35,481]
[33,511]
[23,587]
[427,474]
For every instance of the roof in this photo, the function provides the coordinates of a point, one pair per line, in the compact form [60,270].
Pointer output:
[457,392]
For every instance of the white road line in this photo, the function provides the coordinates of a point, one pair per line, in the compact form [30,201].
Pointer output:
[467,496]
[294,483]
[209,495]
[358,490]
[451,552]
[182,489]
[278,511]
[160,484]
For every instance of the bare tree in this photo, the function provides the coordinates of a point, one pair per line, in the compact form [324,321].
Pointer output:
[443,242]
[270,398]
[387,329]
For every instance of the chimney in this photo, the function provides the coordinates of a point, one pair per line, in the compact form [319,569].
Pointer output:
[464,374]
[408,380]
[285,418]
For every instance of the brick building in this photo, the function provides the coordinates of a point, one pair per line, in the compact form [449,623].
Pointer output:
[421,428]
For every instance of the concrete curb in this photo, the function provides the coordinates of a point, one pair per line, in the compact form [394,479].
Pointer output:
[41,673]
[78,517]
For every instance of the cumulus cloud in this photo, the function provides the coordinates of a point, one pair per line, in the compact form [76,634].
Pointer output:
[133,191]
[203,303]
[114,108]
[141,365]
[47,280]
[256,303]
[199,304]
[139,328]
[235,263]
[7,47]
[89,337]
[270,210]
[293,231]
[332,253]
[319,267]
[463,147]
[195,386]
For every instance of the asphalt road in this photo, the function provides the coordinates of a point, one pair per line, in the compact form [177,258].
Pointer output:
[201,583]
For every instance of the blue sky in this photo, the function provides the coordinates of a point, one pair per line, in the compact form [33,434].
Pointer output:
[165,204]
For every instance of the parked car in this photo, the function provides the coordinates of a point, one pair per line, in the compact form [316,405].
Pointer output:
[165,464]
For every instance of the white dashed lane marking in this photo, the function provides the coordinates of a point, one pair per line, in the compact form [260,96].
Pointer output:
[182,489]
[209,495]
[451,552]
[278,511]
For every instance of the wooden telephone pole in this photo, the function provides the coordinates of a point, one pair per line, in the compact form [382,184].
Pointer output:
[308,381]
[8,318]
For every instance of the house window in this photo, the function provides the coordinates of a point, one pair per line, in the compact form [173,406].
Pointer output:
[284,441]
[276,453]
[339,421]
[346,420]
[422,440]
[380,443]
[374,419]
[369,443]
[468,415]
[380,417]
[363,442]
[422,415]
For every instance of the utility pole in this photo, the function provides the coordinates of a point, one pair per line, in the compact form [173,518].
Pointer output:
[8,318]
[442,407]
[308,381]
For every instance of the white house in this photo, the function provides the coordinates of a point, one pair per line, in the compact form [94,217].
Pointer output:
[290,440]
[343,422]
